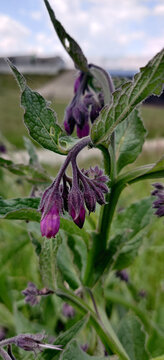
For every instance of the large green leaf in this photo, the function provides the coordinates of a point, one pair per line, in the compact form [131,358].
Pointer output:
[148,81]
[20,209]
[130,136]
[28,172]
[70,45]
[74,352]
[133,338]
[64,339]
[40,119]
[129,228]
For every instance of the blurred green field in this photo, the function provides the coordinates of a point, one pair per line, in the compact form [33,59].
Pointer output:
[11,113]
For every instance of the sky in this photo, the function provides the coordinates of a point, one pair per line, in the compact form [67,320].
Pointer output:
[111,31]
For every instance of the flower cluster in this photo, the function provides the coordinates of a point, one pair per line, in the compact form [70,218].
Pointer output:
[85,105]
[73,195]
[159,203]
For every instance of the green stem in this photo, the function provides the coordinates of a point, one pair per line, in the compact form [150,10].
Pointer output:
[110,340]
[108,213]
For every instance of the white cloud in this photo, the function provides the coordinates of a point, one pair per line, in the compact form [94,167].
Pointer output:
[13,36]
[159,9]
[36,15]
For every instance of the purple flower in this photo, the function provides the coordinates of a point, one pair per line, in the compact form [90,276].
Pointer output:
[68,311]
[76,207]
[50,223]
[31,294]
[159,203]
[50,206]
[85,106]
[123,275]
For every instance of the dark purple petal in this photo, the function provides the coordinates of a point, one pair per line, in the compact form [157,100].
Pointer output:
[76,206]
[158,186]
[77,82]
[160,211]
[83,132]
[90,200]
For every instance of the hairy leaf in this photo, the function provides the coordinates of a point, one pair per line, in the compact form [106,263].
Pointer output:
[148,81]
[64,339]
[133,338]
[70,45]
[20,209]
[130,136]
[40,119]
[66,266]
[74,352]
[29,173]
[129,228]
[150,171]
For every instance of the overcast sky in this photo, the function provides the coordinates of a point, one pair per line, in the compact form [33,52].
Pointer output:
[104,28]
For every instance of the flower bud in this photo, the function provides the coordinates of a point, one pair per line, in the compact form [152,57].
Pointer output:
[69,121]
[50,223]
[76,207]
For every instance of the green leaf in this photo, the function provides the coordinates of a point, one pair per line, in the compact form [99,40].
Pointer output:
[129,228]
[6,317]
[74,352]
[26,209]
[20,209]
[130,136]
[47,261]
[70,45]
[133,338]
[158,358]
[104,81]
[64,339]
[31,151]
[65,264]
[148,81]
[79,250]
[150,171]
[29,173]
[39,118]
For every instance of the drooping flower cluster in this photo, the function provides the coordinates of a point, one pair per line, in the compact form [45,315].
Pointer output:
[159,203]
[84,107]
[73,195]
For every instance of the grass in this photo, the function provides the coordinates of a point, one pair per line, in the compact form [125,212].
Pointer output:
[12,126]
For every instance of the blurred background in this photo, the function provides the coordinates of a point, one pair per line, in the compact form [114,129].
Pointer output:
[120,36]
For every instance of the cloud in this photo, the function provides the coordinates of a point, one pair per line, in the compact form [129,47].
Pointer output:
[13,35]
[36,15]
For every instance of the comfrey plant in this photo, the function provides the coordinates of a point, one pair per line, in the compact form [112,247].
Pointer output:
[80,261]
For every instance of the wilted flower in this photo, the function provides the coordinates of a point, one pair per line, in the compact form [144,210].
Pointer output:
[159,203]
[34,343]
